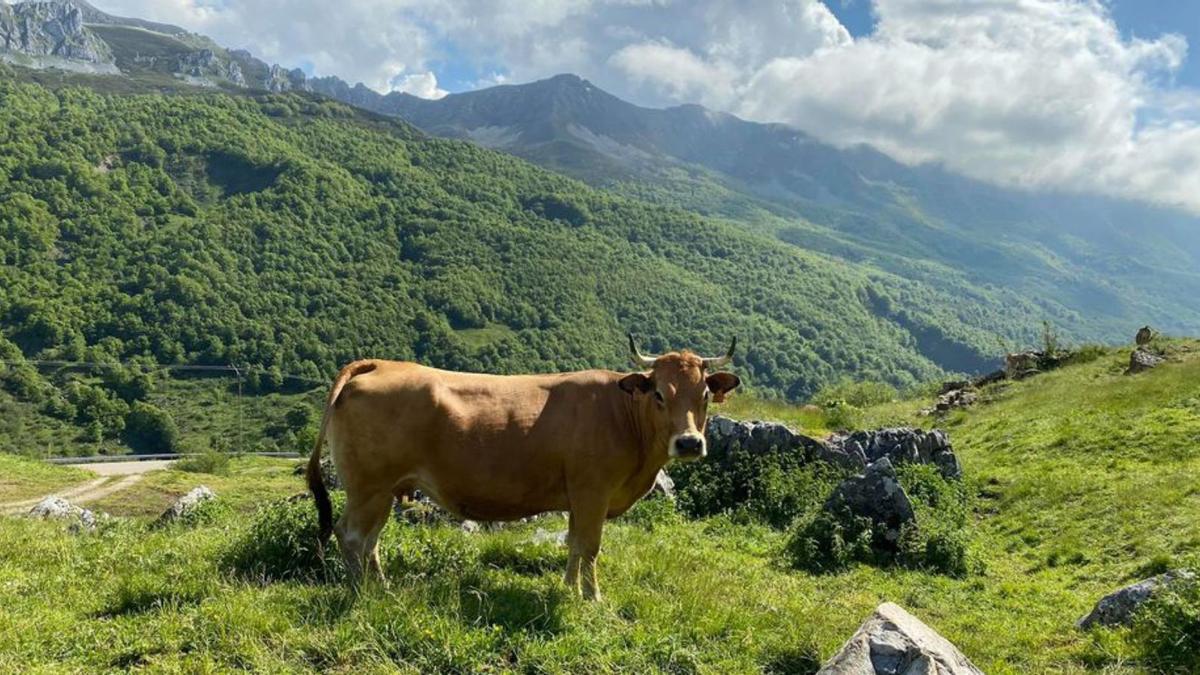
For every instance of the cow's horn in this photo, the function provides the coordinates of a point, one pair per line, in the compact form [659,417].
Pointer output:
[638,358]
[718,361]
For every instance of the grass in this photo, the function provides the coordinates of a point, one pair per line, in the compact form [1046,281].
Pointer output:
[22,478]
[1084,479]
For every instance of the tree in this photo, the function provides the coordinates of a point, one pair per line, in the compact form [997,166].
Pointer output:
[150,429]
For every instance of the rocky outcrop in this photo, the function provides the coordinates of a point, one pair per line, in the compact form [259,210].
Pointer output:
[186,505]
[900,445]
[894,642]
[280,79]
[207,64]
[57,508]
[663,486]
[726,437]
[1141,360]
[876,494]
[1119,607]
[50,29]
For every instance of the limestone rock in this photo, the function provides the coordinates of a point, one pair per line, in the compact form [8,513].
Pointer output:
[1142,360]
[663,486]
[877,495]
[57,508]
[50,29]
[900,445]
[186,504]
[1117,608]
[894,642]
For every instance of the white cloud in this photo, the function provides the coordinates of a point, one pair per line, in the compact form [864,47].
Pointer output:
[1041,93]
[424,85]
[1044,93]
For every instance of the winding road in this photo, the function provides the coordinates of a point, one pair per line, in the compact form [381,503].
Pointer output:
[113,477]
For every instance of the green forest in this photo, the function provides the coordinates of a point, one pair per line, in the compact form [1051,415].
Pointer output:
[291,234]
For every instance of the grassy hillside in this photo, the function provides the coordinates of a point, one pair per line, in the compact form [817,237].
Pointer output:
[1083,480]
[294,233]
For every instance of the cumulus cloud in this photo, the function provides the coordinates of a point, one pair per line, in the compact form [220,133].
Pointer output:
[424,85]
[1040,93]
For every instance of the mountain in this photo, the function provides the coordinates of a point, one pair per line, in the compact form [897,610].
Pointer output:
[1099,265]
[1095,267]
[293,233]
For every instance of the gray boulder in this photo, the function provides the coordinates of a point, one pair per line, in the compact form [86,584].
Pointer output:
[1118,608]
[544,536]
[186,505]
[901,445]
[877,495]
[894,642]
[57,508]
[1141,360]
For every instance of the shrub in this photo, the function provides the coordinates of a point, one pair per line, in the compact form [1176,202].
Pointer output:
[826,542]
[857,394]
[210,461]
[150,429]
[773,487]
[842,415]
[1085,354]
[652,512]
[1167,628]
[938,541]
[281,543]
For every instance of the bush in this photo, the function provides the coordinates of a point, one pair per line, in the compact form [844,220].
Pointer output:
[937,541]
[210,461]
[1167,628]
[857,394]
[652,512]
[841,415]
[773,488]
[150,429]
[281,544]
[826,542]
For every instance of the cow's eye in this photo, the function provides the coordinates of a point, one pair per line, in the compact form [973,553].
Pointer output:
[659,397]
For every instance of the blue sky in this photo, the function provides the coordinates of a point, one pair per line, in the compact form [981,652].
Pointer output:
[1084,95]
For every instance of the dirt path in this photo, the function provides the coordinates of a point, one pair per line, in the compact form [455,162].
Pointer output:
[114,477]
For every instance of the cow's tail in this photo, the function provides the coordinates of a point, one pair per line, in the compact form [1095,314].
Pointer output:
[315,483]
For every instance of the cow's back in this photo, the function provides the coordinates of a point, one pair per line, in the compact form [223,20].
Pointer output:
[484,446]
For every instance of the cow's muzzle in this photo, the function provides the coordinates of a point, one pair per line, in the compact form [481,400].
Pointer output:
[688,447]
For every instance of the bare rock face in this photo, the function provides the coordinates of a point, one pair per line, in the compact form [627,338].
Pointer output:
[894,642]
[877,495]
[853,452]
[186,505]
[54,29]
[57,508]
[1141,360]
[1117,608]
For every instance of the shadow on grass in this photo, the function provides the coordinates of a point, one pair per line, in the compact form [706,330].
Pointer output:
[524,558]
[800,661]
[513,603]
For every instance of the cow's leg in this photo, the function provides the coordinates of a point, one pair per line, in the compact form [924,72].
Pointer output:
[572,578]
[586,525]
[358,530]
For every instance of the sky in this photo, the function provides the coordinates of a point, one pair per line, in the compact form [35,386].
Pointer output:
[1099,96]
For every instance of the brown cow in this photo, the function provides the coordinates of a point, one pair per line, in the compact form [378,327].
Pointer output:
[492,447]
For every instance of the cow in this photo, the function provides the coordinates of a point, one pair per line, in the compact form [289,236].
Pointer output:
[497,448]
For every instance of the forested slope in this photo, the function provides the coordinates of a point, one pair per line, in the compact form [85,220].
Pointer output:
[295,233]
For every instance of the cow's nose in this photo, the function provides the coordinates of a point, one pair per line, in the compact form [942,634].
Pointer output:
[689,446]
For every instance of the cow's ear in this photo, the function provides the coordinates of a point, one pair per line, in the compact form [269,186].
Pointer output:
[636,382]
[721,384]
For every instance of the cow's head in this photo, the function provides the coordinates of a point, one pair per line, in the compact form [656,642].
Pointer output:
[676,391]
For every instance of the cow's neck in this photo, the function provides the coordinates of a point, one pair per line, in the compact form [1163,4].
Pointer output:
[651,436]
